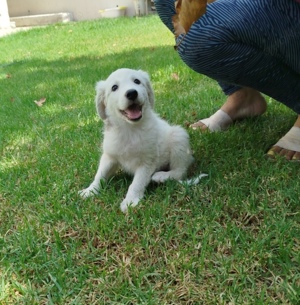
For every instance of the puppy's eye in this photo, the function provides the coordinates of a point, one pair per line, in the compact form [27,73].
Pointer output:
[137,81]
[114,88]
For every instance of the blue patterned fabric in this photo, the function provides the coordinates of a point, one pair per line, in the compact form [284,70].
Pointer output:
[252,43]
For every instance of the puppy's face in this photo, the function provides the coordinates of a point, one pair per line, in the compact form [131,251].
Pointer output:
[125,94]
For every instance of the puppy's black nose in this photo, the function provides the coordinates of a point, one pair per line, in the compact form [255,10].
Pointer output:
[131,94]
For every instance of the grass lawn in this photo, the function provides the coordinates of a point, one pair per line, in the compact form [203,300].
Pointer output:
[232,239]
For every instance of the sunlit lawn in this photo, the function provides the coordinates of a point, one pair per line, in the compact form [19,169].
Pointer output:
[232,239]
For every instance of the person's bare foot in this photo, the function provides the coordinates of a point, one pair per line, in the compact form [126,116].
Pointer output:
[247,103]
[289,145]
[243,103]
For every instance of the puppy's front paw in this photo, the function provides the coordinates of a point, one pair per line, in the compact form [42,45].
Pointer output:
[88,192]
[126,203]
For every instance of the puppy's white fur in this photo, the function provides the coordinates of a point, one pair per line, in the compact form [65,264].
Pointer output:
[135,137]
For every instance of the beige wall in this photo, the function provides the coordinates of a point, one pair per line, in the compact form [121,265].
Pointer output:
[81,9]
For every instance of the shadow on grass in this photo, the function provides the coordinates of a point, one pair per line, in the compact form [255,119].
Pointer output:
[65,131]
[38,144]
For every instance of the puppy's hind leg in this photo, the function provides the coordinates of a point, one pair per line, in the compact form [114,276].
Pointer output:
[180,156]
[107,167]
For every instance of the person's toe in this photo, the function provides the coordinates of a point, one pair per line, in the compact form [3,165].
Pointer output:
[286,153]
[296,156]
[274,151]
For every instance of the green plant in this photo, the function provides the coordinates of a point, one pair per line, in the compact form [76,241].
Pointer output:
[232,239]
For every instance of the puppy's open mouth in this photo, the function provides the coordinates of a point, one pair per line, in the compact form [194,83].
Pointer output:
[133,112]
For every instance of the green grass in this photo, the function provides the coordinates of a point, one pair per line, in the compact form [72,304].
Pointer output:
[232,239]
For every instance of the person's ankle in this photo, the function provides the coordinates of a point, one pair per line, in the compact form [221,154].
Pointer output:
[244,103]
[234,102]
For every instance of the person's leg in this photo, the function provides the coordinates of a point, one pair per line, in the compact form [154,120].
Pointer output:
[270,64]
[221,46]
[166,10]
[256,45]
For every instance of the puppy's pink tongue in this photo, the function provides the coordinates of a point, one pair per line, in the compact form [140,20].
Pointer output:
[134,112]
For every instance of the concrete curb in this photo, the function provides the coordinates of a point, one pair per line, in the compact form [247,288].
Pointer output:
[43,19]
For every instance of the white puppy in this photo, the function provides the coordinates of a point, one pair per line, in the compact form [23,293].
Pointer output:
[135,138]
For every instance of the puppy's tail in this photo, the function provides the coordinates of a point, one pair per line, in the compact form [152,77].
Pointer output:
[194,180]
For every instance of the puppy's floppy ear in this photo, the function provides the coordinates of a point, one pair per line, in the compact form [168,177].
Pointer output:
[150,91]
[100,99]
